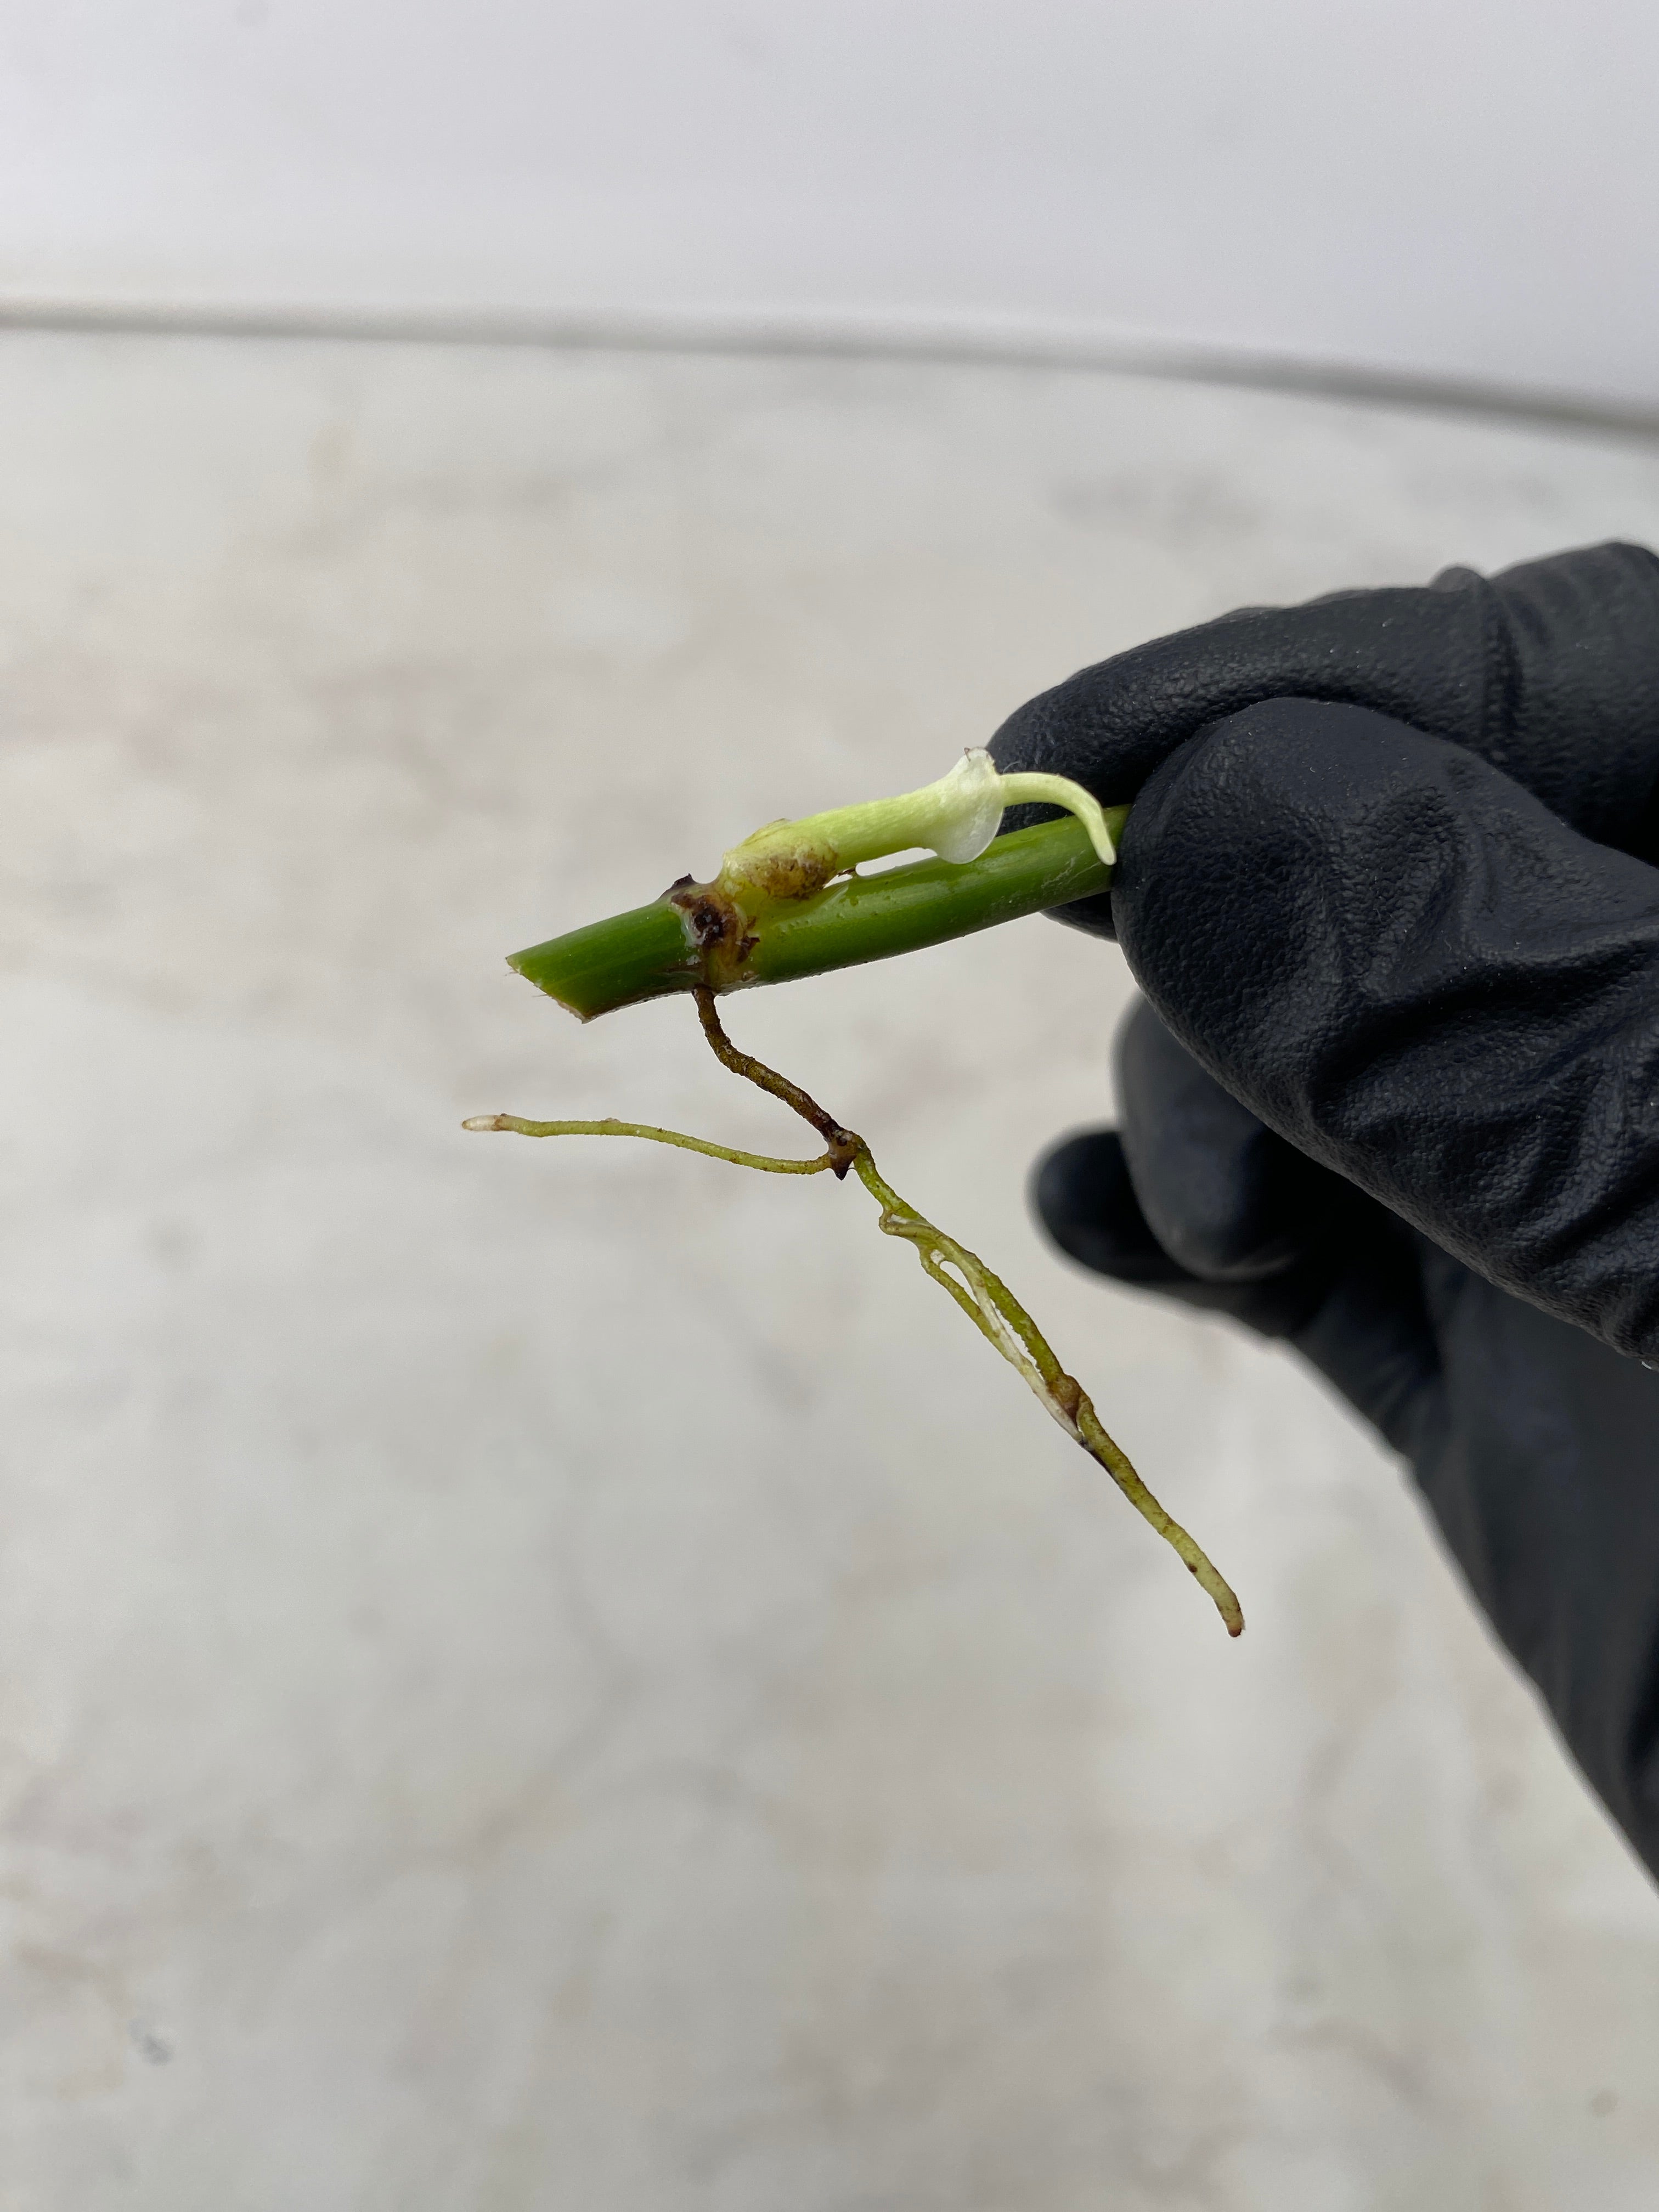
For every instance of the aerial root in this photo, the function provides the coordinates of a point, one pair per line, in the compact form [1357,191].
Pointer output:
[983,1296]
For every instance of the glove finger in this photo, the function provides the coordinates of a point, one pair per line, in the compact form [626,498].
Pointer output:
[1402,964]
[1355,1312]
[1085,1197]
[1226,1198]
[1540,1473]
[1548,670]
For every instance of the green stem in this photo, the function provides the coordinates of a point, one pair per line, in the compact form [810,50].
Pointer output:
[704,936]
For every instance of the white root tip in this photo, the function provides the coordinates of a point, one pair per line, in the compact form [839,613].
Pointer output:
[483,1121]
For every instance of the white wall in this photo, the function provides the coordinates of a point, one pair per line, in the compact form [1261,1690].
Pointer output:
[1460,188]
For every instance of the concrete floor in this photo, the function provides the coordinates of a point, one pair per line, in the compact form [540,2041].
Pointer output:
[566,1676]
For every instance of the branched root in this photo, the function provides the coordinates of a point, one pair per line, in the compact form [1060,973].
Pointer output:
[983,1296]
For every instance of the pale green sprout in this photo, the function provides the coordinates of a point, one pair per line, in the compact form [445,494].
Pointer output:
[957,817]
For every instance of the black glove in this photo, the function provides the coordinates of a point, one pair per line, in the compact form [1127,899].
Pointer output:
[1415,1125]
[1550,671]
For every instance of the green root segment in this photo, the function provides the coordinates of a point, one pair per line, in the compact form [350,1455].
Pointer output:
[983,1296]
[763,1161]
[1002,1321]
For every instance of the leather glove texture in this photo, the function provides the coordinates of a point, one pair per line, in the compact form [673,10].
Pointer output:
[1535,1446]
[1387,886]
[1550,671]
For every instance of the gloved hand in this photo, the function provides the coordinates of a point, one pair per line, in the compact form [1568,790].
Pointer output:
[1403,1105]
[1550,671]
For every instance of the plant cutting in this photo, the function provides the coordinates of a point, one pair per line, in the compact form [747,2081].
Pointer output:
[789,902]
